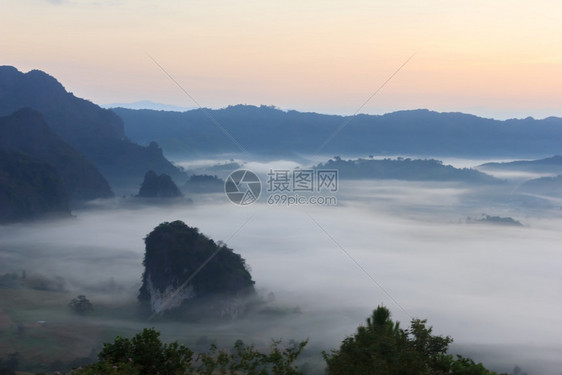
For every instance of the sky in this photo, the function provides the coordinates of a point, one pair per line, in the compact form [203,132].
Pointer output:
[499,59]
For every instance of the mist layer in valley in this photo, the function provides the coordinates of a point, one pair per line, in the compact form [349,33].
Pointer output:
[496,289]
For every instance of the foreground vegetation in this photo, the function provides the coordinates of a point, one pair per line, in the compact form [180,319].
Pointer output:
[145,354]
[380,347]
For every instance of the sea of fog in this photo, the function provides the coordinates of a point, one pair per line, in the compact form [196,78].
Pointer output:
[497,290]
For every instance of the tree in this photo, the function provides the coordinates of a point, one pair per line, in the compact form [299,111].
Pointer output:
[246,359]
[383,348]
[81,305]
[145,354]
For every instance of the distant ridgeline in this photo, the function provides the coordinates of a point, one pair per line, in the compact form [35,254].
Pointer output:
[543,186]
[269,131]
[187,271]
[548,186]
[95,132]
[404,169]
[546,165]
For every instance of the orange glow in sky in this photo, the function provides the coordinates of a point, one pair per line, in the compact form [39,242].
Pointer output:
[497,59]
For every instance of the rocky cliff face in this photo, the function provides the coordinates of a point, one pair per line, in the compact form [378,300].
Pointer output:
[185,268]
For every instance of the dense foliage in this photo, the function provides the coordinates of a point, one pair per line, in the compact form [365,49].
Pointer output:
[383,348]
[29,189]
[26,131]
[81,305]
[404,169]
[145,354]
[181,262]
[379,348]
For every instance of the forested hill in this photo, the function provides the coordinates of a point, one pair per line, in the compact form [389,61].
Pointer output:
[405,169]
[95,132]
[270,131]
[547,165]
[25,131]
[29,189]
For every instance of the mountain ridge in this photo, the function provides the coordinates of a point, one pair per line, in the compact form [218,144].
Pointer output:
[95,132]
[266,130]
[551,164]
[30,189]
[405,169]
[27,132]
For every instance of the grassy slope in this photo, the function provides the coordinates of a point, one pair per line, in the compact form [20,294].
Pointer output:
[62,338]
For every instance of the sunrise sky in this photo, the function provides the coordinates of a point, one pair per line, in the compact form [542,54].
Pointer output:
[496,58]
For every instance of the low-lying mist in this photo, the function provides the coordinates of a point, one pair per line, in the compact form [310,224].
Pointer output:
[497,290]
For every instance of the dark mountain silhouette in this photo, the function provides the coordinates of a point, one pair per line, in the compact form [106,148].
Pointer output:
[147,104]
[269,131]
[183,265]
[158,186]
[26,131]
[547,165]
[404,169]
[29,189]
[74,119]
[95,132]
